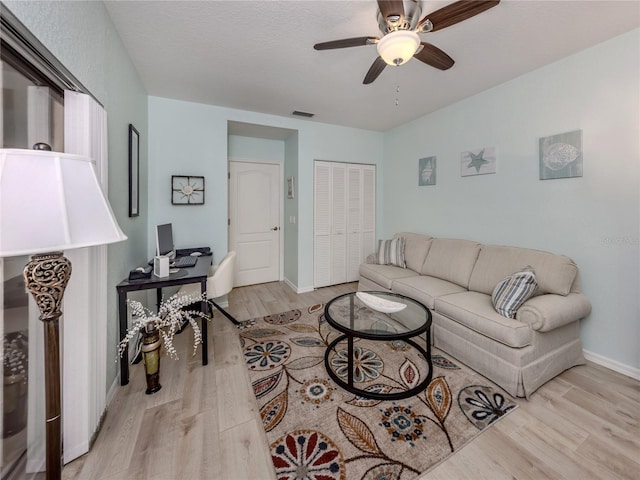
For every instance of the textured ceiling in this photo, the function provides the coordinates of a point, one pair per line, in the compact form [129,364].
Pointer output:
[259,56]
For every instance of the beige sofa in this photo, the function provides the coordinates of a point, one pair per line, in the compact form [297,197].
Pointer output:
[455,279]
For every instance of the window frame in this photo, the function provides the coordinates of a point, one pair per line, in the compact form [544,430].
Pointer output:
[22,43]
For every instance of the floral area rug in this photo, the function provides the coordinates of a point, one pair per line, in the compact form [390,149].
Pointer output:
[319,431]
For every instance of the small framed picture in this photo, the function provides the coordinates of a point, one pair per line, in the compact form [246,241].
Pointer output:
[290,188]
[187,190]
[427,171]
[134,171]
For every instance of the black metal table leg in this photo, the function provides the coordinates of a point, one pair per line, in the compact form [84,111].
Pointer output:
[124,359]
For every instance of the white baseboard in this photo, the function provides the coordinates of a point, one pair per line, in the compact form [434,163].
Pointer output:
[612,364]
[112,391]
[288,283]
[73,452]
[296,289]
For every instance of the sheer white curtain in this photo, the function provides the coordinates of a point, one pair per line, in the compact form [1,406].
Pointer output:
[84,323]
[39,128]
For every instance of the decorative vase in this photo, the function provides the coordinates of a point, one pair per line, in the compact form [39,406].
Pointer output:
[14,404]
[151,344]
[14,396]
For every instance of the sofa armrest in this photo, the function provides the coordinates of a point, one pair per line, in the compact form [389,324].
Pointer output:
[547,312]
[372,259]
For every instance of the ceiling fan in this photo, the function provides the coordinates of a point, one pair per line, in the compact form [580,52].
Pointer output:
[399,24]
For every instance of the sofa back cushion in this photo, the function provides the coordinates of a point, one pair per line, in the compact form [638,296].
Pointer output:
[416,247]
[554,273]
[451,260]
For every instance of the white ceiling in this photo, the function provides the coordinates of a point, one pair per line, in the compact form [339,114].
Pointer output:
[259,56]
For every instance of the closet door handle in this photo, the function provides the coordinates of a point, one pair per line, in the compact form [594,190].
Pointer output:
[275,229]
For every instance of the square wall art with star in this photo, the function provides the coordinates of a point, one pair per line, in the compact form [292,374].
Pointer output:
[478,162]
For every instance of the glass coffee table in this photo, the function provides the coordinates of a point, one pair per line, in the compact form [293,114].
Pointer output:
[357,320]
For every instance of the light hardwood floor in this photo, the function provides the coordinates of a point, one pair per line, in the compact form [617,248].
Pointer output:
[204,422]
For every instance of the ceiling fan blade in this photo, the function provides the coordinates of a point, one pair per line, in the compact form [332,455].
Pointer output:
[376,69]
[457,12]
[432,55]
[391,8]
[346,42]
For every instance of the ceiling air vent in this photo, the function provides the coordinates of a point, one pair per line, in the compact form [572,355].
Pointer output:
[302,114]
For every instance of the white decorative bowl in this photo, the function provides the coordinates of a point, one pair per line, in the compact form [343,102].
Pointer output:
[380,304]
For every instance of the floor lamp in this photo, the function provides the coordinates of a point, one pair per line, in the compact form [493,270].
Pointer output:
[50,202]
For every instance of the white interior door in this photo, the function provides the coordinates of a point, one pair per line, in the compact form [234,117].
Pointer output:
[254,216]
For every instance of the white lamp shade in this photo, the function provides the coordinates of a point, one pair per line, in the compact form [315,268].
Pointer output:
[51,201]
[397,48]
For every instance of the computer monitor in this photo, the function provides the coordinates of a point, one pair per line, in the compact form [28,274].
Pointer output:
[164,240]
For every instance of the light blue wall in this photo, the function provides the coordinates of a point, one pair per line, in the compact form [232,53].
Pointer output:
[185,139]
[191,139]
[594,219]
[256,149]
[291,210]
[82,36]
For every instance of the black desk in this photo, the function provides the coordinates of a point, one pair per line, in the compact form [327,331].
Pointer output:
[195,274]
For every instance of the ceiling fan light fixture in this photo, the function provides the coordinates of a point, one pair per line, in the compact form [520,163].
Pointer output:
[397,48]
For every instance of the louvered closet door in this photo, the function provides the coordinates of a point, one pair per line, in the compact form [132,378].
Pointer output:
[338,223]
[368,237]
[354,221]
[322,225]
[344,223]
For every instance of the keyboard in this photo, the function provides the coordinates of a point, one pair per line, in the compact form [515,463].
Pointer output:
[185,262]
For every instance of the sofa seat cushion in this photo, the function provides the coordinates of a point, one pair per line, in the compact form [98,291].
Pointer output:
[384,274]
[452,260]
[475,311]
[554,273]
[425,289]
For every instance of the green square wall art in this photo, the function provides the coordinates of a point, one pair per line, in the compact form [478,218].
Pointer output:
[427,171]
[561,155]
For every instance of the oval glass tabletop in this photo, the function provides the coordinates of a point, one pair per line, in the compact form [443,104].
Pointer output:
[348,313]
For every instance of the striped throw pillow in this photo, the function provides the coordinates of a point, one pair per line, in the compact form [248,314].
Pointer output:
[391,252]
[513,291]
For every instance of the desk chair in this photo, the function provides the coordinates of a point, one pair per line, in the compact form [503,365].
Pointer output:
[219,283]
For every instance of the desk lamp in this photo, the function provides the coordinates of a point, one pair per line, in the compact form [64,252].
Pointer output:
[50,202]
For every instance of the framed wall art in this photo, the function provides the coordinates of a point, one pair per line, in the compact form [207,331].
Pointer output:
[561,155]
[427,171]
[187,190]
[478,162]
[134,171]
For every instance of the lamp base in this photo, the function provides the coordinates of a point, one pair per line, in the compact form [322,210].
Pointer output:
[46,277]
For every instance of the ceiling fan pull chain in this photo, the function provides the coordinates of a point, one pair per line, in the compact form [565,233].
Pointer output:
[397,89]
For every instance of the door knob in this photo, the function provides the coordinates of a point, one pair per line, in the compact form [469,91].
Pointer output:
[275,229]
